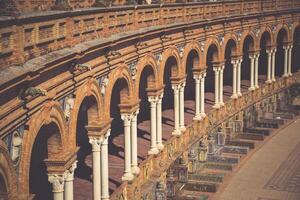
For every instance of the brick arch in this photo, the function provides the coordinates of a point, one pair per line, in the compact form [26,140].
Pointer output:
[194,45]
[244,37]
[211,41]
[278,29]
[168,53]
[89,88]
[268,30]
[7,171]
[121,72]
[50,113]
[295,26]
[147,61]
[227,39]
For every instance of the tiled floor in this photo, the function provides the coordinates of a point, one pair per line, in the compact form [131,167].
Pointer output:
[272,173]
[83,187]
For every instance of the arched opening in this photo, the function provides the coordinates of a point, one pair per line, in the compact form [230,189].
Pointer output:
[3,188]
[168,99]
[88,113]
[296,50]
[265,43]
[189,92]
[280,55]
[230,53]
[143,118]
[211,57]
[47,144]
[248,47]
[116,144]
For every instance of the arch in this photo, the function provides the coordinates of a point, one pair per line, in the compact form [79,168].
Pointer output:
[119,73]
[50,113]
[192,46]
[248,36]
[266,34]
[171,52]
[211,43]
[7,173]
[89,88]
[149,62]
[296,48]
[231,39]
[282,30]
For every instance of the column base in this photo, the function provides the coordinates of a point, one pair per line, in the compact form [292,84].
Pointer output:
[285,75]
[234,96]
[153,151]
[256,87]
[221,104]
[251,88]
[197,117]
[105,198]
[273,80]
[182,128]
[127,176]
[216,106]
[203,115]
[269,81]
[290,74]
[239,94]
[160,146]
[135,170]
[176,132]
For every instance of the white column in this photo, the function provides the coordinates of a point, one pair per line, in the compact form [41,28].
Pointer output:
[290,61]
[252,86]
[96,145]
[181,107]
[153,147]
[128,176]
[273,65]
[202,106]
[221,102]
[286,49]
[256,70]
[57,181]
[197,78]
[234,76]
[159,143]
[176,109]
[104,167]
[217,104]
[239,71]
[134,161]
[269,52]
[69,178]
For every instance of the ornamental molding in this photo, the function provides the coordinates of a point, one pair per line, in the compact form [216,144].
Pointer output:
[103,82]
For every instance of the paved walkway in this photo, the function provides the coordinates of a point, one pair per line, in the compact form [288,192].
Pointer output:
[272,173]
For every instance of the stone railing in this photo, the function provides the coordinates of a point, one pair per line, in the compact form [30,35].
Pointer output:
[29,36]
[154,168]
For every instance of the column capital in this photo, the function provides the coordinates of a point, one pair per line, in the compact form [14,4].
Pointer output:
[96,143]
[216,69]
[126,117]
[106,136]
[286,47]
[197,77]
[176,86]
[69,174]
[153,99]
[57,181]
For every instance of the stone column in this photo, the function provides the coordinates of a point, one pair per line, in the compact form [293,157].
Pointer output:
[176,109]
[57,181]
[128,176]
[273,65]
[134,161]
[197,78]
[104,167]
[69,178]
[96,147]
[286,49]
[202,104]
[153,147]
[221,102]
[181,107]
[290,60]
[256,70]
[239,71]
[269,52]
[234,81]
[217,104]
[252,86]
[159,143]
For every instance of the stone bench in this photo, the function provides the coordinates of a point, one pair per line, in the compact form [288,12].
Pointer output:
[239,143]
[211,177]
[223,159]
[272,120]
[219,166]
[258,130]
[251,136]
[283,115]
[235,149]
[202,186]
